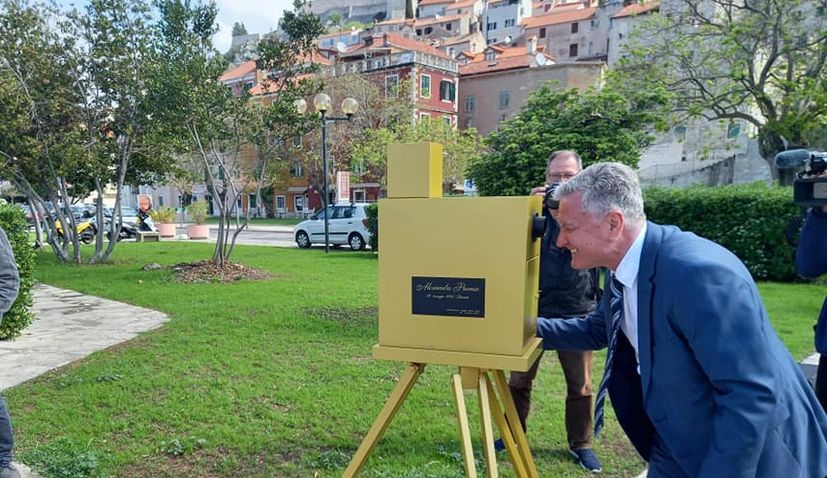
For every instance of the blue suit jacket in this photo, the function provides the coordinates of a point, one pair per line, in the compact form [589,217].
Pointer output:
[718,385]
[811,260]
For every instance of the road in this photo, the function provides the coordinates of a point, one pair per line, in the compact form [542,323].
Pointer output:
[278,236]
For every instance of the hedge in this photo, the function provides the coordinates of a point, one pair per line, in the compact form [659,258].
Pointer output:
[13,222]
[750,220]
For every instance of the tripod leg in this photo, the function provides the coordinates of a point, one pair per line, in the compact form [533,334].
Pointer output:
[514,423]
[514,454]
[487,432]
[464,432]
[400,392]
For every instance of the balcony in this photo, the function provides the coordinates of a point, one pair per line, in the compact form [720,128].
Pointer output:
[377,63]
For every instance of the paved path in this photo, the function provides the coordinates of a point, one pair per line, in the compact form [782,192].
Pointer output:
[69,326]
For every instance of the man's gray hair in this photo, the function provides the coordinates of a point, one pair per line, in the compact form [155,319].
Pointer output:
[562,154]
[607,187]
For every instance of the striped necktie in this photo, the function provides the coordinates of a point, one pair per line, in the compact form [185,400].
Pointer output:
[616,303]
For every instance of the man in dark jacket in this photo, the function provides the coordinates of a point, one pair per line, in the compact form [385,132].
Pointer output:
[811,259]
[564,292]
[9,286]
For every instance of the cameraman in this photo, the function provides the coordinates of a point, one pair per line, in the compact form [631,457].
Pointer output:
[564,292]
[811,260]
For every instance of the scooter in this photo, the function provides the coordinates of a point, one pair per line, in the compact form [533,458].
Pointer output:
[130,231]
[85,230]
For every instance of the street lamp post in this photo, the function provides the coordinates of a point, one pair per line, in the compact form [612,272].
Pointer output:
[322,104]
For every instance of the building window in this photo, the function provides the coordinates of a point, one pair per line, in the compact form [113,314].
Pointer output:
[680,133]
[425,86]
[160,201]
[733,130]
[391,86]
[296,171]
[590,49]
[298,203]
[419,32]
[509,22]
[505,99]
[491,40]
[429,30]
[491,26]
[575,27]
[447,90]
[470,103]
[424,118]
[543,32]
[469,122]
[248,85]
[280,203]
[449,26]
[359,195]
[251,200]
[358,167]
[490,55]
[573,50]
[546,7]
[451,51]
[446,121]
[594,23]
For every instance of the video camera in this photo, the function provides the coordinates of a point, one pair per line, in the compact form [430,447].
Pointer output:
[808,190]
[548,200]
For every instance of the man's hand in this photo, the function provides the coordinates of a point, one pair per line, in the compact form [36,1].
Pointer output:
[539,191]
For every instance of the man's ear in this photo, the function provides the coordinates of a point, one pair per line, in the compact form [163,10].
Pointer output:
[616,223]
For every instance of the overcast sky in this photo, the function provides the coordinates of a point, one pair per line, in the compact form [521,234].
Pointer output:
[259,16]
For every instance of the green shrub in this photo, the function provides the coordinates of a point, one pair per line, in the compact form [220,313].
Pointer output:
[163,215]
[198,211]
[750,220]
[372,213]
[13,221]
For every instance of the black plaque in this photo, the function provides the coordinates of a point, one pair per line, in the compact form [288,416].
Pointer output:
[451,296]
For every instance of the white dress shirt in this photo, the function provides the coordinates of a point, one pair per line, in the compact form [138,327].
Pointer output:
[626,273]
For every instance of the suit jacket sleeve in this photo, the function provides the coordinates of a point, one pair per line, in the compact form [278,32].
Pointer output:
[579,333]
[9,279]
[720,317]
[811,255]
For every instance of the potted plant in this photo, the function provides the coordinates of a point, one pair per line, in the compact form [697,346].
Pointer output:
[164,218]
[198,213]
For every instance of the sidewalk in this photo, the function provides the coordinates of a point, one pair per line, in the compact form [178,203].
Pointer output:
[69,326]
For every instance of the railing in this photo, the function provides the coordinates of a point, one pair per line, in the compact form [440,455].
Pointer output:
[395,59]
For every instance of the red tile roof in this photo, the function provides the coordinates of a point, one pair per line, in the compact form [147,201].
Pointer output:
[434,2]
[272,86]
[239,72]
[507,59]
[467,3]
[399,42]
[553,18]
[638,9]
[431,20]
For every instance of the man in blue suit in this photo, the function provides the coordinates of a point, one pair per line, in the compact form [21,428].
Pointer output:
[697,377]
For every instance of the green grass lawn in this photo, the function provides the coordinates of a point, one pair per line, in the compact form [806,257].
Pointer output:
[275,378]
[263,221]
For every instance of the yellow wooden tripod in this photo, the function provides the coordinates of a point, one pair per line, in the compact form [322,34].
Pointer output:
[495,404]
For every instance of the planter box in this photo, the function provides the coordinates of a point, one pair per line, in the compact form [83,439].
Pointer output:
[198,231]
[166,229]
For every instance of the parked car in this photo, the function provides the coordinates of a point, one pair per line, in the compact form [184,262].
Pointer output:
[346,226]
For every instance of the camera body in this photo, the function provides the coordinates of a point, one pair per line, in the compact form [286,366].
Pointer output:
[548,200]
[809,190]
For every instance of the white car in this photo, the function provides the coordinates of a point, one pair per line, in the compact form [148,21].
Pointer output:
[345,226]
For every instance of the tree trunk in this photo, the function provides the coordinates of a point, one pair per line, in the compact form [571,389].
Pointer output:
[769,145]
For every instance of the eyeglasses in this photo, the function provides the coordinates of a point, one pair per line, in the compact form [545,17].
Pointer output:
[560,177]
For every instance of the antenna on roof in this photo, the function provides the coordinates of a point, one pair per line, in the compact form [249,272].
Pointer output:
[340,46]
[540,59]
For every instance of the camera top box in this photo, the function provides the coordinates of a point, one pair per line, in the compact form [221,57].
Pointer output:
[810,192]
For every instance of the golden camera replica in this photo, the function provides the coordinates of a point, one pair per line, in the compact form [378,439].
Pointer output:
[457,286]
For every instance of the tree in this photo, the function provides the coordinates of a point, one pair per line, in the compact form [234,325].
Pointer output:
[759,61]
[600,124]
[334,21]
[233,138]
[461,148]
[239,29]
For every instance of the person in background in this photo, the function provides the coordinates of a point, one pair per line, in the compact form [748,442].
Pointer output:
[9,287]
